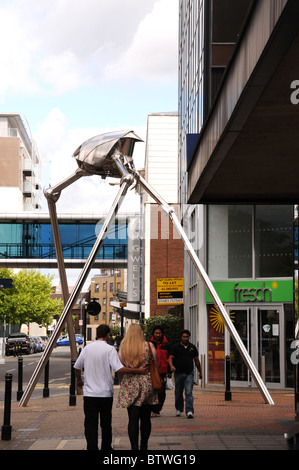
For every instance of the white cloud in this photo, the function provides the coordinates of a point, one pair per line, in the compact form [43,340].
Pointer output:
[63,72]
[15,56]
[58,46]
[152,54]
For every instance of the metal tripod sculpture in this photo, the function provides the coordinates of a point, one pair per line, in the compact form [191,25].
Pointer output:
[111,155]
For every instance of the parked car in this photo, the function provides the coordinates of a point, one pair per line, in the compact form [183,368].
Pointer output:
[65,341]
[19,343]
[33,344]
[38,344]
[44,341]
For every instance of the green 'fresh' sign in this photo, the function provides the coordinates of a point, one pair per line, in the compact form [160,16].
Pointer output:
[253,291]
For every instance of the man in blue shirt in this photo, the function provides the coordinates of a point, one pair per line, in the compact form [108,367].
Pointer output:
[181,358]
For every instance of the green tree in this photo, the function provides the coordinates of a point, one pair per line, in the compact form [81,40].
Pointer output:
[29,299]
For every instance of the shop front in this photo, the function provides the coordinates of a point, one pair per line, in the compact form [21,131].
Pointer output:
[262,313]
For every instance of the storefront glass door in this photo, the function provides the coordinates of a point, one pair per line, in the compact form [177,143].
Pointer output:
[261,333]
[241,320]
[269,344]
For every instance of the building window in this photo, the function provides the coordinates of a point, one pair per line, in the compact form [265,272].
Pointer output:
[247,242]
[111,287]
[97,288]
[230,242]
[273,241]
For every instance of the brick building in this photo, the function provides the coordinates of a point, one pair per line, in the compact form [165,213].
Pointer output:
[163,249]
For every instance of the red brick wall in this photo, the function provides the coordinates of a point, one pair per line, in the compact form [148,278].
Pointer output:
[166,258]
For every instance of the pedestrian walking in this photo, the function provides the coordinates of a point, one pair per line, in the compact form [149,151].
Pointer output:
[162,349]
[181,358]
[97,359]
[136,391]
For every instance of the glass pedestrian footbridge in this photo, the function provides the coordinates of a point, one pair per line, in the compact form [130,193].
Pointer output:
[26,240]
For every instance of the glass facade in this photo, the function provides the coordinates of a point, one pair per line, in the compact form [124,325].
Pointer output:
[247,242]
[32,239]
[191,78]
[273,241]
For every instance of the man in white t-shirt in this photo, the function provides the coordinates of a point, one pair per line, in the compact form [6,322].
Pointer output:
[97,359]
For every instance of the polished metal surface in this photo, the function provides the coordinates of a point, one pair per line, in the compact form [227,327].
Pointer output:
[96,155]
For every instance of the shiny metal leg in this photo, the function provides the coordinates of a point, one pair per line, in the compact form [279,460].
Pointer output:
[52,194]
[127,181]
[62,274]
[208,284]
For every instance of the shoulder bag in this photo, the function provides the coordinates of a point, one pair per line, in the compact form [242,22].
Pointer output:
[155,376]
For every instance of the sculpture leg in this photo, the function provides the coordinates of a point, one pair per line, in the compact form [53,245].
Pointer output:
[73,296]
[62,274]
[208,284]
[52,194]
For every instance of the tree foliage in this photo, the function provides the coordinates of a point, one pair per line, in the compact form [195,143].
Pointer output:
[29,298]
[171,324]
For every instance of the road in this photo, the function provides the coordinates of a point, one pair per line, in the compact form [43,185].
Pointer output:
[59,373]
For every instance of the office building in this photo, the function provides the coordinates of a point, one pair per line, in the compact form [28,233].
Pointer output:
[20,166]
[238,155]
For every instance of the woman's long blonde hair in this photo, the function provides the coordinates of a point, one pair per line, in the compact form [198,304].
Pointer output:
[132,347]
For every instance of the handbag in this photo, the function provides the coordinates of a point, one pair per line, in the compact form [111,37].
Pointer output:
[155,376]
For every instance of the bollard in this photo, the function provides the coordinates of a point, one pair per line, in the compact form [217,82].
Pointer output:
[20,378]
[6,428]
[72,399]
[46,390]
[228,395]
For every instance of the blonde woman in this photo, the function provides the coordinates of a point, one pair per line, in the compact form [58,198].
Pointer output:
[136,392]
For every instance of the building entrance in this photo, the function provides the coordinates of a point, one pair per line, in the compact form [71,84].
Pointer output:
[261,330]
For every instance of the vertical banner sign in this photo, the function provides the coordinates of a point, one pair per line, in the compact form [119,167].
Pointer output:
[170,291]
[134,261]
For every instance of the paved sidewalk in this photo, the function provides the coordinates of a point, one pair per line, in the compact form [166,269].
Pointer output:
[244,423]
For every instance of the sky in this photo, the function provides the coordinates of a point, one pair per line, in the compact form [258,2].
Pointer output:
[76,69]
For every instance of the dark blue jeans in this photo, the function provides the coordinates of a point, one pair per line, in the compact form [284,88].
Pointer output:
[93,407]
[183,382]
